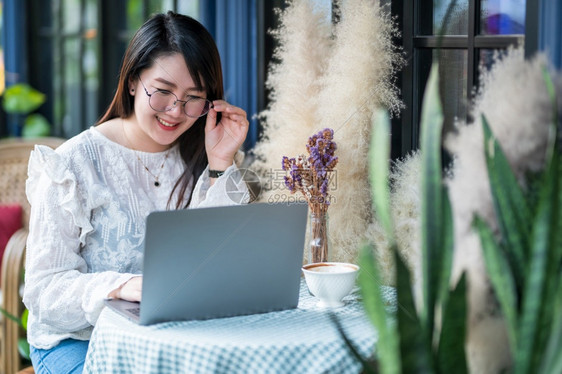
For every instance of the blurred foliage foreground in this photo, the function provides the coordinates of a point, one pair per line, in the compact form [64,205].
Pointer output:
[523,262]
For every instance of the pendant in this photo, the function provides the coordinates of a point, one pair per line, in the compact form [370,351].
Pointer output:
[157,184]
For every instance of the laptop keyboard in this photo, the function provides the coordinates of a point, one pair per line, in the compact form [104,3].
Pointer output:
[135,311]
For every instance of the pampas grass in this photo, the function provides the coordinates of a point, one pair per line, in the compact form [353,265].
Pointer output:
[405,205]
[353,73]
[303,43]
[514,99]
[358,79]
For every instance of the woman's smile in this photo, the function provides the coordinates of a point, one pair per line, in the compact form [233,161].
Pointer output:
[165,125]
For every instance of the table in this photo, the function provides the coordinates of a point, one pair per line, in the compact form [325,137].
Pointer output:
[301,340]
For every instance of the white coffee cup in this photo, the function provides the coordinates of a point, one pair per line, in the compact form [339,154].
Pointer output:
[330,282]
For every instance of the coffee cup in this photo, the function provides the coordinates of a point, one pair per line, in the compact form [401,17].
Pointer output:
[330,282]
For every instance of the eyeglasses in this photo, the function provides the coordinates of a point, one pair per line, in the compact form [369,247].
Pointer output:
[164,101]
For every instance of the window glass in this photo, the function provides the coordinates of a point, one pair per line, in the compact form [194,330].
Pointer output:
[139,10]
[432,17]
[156,6]
[187,7]
[73,34]
[71,88]
[453,67]
[91,18]
[71,63]
[135,15]
[487,57]
[90,63]
[71,16]
[500,17]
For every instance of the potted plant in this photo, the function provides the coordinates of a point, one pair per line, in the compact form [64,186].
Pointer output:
[20,101]
[23,344]
[522,261]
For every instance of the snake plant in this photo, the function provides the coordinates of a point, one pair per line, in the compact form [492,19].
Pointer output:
[410,340]
[524,261]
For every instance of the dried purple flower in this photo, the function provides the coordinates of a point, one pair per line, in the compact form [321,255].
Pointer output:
[311,175]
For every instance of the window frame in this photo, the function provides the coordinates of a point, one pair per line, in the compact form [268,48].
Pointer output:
[406,127]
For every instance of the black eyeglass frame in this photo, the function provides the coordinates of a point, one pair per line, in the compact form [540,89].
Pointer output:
[183,102]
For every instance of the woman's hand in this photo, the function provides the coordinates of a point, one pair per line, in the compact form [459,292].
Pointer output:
[130,290]
[223,139]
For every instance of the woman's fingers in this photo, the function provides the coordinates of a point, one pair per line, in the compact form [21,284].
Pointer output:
[233,120]
[131,290]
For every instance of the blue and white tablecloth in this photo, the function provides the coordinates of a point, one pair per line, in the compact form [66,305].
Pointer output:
[301,340]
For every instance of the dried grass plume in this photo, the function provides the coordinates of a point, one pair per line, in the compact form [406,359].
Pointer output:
[353,73]
[515,101]
[303,39]
[405,205]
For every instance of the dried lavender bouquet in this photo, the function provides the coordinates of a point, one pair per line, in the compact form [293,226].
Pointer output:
[311,175]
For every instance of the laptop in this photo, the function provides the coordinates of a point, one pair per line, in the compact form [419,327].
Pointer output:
[219,262]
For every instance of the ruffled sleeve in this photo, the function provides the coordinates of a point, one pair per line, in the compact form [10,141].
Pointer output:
[46,170]
[59,291]
[229,189]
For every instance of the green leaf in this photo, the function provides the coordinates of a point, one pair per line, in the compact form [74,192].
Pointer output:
[24,317]
[559,230]
[549,334]
[536,318]
[447,249]
[555,148]
[514,215]
[451,356]
[545,235]
[551,93]
[23,348]
[22,98]
[552,362]
[431,201]
[369,282]
[379,156]
[36,126]
[10,316]
[501,278]
[415,348]
[369,367]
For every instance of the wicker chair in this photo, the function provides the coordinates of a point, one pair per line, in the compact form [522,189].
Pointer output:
[14,156]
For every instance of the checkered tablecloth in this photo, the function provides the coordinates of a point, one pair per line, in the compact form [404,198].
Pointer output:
[301,340]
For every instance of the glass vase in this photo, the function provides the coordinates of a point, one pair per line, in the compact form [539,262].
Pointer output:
[318,244]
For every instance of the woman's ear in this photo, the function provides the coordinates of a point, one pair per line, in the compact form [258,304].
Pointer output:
[131,86]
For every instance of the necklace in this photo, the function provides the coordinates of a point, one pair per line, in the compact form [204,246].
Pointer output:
[155,176]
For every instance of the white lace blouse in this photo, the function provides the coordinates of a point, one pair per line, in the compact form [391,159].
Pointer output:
[89,200]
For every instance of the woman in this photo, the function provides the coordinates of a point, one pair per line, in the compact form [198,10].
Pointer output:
[167,141]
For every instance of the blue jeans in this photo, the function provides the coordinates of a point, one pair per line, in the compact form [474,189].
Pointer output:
[66,357]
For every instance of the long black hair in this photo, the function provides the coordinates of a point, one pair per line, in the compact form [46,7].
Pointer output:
[165,34]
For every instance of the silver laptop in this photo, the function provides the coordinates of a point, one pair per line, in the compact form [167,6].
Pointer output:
[219,262]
